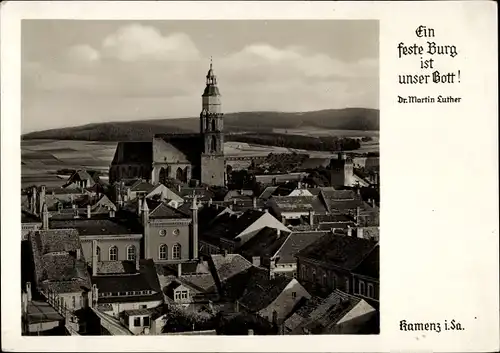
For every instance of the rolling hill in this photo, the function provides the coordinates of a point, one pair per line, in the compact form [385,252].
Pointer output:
[338,119]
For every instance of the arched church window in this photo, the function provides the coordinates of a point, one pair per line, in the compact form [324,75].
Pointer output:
[179,175]
[214,144]
[113,253]
[213,125]
[176,252]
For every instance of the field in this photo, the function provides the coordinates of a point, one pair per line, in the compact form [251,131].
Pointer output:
[40,159]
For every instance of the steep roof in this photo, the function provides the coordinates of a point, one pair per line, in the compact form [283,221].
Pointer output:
[338,250]
[298,203]
[265,243]
[164,211]
[182,147]
[133,153]
[229,265]
[230,226]
[262,290]
[59,261]
[92,226]
[370,266]
[142,186]
[296,242]
[145,280]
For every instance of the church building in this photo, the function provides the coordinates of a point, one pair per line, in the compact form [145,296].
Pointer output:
[179,156]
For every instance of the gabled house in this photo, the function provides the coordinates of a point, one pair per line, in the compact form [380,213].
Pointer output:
[271,298]
[283,261]
[339,313]
[60,267]
[80,178]
[229,232]
[366,277]
[292,209]
[328,263]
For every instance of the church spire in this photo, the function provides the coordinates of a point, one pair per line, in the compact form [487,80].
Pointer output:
[211,78]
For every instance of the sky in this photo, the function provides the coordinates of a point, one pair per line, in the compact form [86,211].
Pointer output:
[76,72]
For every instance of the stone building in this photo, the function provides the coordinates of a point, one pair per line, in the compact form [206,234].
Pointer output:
[182,157]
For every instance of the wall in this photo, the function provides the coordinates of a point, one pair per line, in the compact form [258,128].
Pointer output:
[137,330]
[366,282]
[284,269]
[154,240]
[106,242]
[28,227]
[355,319]
[266,220]
[119,307]
[335,279]
[213,170]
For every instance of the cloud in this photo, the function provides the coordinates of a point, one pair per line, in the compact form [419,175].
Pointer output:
[82,53]
[137,42]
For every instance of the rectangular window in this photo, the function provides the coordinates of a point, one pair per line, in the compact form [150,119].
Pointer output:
[73,302]
[145,321]
[294,295]
[177,295]
[137,321]
[144,306]
[184,294]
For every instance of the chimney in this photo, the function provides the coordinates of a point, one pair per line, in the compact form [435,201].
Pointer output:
[349,232]
[119,199]
[358,210]
[254,202]
[89,212]
[139,206]
[179,270]
[278,233]
[111,213]
[179,187]
[194,227]
[28,292]
[94,257]
[42,198]
[360,233]
[137,263]
[374,203]
[145,212]
[210,202]
[224,253]
[33,200]
[234,201]
[250,332]
[95,295]
[45,217]
[311,218]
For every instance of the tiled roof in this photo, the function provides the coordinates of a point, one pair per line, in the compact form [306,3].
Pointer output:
[142,186]
[227,266]
[186,147]
[203,282]
[133,153]
[332,218]
[202,194]
[239,194]
[370,266]
[296,242]
[298,203]
[338,250]
[164,211]
[55,255]
[90,226]
[335,225]
[27,217]
[319,314]
[229,226]
[262,291]
[146,279]
[268,192]
[265,243]
[116,267]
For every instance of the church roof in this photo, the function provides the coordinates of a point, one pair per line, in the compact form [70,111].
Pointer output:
[178,148]
[211,91]
[133,153]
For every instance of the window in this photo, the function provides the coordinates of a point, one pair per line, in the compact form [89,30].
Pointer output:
[361,288]
[98,253]
[324,279]
[184,294]
[73,302]
[137,321]
[313,276]
[176,232]
[131,253]
[177,295]
[145,321]
[144,306]
[294,274]
[113,253]
[163,232]
[304,272]
[81,302]
[370,292]
[347,289]
[294,295]
[62,302]
[176,252]
[163,251]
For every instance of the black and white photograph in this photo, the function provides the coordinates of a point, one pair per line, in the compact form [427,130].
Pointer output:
[200,177]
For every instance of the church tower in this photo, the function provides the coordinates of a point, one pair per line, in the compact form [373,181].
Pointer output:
[211,130]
